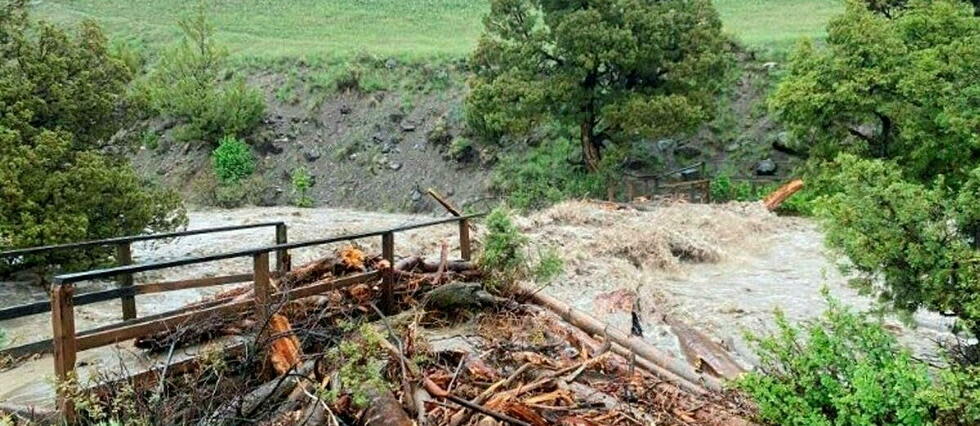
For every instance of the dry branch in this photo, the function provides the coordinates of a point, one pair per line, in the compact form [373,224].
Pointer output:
[777,197]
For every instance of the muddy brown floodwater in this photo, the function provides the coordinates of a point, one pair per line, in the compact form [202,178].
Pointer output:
[720,268]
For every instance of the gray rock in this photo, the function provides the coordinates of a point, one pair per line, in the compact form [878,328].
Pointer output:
[732,147]
[270,196]
[345,109]
[687,151]
[408,126]
[416,195]
[766,167]
[666,145]
[395,166]
[312,155]
[391,63]
[769,66]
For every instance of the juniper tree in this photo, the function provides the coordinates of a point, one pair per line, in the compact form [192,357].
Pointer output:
[63,177]
[617,70]
[889,112]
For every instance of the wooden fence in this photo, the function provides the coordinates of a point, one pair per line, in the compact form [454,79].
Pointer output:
[125,290]
[67,342]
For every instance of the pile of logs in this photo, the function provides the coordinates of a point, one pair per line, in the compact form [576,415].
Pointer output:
[534,363]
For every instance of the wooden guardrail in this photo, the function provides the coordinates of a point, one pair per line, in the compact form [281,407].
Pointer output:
[125,281]
[67,342]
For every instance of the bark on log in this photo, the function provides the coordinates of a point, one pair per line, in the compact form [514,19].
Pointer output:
[384,409]
[777,197]
[458,295]
[704,353]
[668,368]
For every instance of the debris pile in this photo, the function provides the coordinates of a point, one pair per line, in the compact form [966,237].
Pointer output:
[448,353]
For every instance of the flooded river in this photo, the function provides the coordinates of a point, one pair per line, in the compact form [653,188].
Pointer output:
[721,269]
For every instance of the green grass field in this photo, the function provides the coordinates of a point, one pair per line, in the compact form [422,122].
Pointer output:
[410,29]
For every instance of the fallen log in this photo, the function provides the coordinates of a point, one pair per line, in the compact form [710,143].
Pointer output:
[777,197]
[664,366]
[703,352]
[384,409]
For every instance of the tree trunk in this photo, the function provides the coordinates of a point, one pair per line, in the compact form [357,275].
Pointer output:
[590,149]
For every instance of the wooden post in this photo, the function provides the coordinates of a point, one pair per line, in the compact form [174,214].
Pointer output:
[124,256]
[388,276]
[282,256]
[464,239]
[63,332]
[263,289]
[630,191]
[610,193]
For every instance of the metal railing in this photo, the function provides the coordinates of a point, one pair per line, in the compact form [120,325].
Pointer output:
[124,257]
[66,342]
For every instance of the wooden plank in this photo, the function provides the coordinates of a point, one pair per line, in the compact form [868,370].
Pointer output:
[445,203]
[282,255]
[388,279]
[46,346]
[684,184]
[464,239]
[65,345]
[124,256]
[129,239]
[133,331]
[314,289]
[150,288]
[130,331]
[263,286]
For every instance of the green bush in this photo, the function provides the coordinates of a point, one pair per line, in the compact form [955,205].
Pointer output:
[302,183]
[841,369]
[189,84]
[232,160]
[61,101]
[504,255]
[956,396]
[544,175]
[505,258]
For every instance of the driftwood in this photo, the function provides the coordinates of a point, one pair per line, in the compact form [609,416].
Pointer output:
[666,367]
[384,409]
[284,352]
[777,197]
[268,394]
[457,295]
[704,353]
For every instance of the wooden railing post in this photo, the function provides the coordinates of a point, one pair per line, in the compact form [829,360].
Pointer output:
[124,256]
[282,256]
[388,276]
[464,239]
[63,331]
[263,288]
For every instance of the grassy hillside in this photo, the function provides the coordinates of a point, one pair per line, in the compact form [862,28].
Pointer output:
[410,29]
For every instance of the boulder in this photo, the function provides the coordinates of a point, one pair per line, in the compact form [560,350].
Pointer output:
[766,167]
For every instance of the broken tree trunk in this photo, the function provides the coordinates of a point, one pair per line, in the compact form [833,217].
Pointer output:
[671,369]
[384,409]
[704,353]
[777,197]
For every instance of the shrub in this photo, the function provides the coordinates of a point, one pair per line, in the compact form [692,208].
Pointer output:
[302,182]
[188,84]
[842,368]
[61,180]
[505,258]
[232,160]
[956,396]
[544,175]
